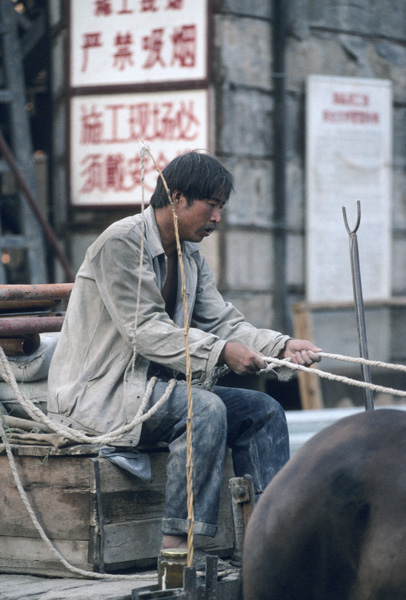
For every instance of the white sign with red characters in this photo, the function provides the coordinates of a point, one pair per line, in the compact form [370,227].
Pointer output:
[348,159]
[127,42]
[106,137]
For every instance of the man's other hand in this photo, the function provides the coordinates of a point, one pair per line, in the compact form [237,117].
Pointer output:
[242,359]
[301,352]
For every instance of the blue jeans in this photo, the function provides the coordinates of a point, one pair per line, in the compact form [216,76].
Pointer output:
[251,423]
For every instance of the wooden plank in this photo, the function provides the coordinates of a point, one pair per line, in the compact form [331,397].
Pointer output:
[137,543]
[309,385]
[47,451]
[35,549]
[138,539]
[58,491]
[17,587]
[66,496]
[127,544]
[125,497]
[29,555]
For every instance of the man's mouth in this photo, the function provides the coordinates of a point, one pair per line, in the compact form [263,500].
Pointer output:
[208,230]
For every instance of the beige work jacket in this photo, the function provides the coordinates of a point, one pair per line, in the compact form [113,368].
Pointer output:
[92,385]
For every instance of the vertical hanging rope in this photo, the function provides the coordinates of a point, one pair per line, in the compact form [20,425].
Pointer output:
[189,420]
[143,152]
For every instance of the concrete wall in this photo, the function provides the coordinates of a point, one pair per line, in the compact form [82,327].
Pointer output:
[360,38]
[242,51]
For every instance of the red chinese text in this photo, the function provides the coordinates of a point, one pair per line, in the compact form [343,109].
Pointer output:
[351,116]
[153,43]
[116,172]
[184,46]
[120,124]
[350,98]
[123,55]
[91,40]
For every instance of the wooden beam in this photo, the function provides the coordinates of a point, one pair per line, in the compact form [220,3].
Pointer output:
[309,385]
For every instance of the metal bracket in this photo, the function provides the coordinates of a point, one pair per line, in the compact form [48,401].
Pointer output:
[242,505]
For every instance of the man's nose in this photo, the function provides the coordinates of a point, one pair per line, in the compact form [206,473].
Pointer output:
[216,215]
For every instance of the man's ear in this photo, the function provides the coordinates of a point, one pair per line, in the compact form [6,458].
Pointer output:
[176,196]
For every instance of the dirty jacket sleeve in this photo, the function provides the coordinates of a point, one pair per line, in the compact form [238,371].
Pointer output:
[212,321]
[116,323]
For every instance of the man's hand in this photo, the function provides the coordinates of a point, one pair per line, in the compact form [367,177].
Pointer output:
[301,352]
[241,359]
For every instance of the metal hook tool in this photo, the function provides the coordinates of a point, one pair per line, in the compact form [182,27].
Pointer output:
[359,305]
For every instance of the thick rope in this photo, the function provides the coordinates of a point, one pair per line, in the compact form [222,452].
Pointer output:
[314,371]
[76,435]
[364,361]
[143,152]
[189,420]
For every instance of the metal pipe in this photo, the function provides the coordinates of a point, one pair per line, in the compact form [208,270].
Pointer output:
[279,141]
[36,209]
[46,291]
[15,326]
[359,305]
[20,346]
[27,306]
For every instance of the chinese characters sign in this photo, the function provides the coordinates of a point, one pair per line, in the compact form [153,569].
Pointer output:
[127,42]
[106,134]
[348,158]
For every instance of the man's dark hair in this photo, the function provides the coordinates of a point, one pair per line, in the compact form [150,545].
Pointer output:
[197,176]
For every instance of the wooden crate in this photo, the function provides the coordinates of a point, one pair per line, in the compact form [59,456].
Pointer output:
[96,514]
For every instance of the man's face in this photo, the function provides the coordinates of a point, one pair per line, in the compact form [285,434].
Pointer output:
[199,219]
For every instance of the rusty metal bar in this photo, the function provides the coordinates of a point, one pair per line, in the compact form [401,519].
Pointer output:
[20,346]
[17,326]
[27,306]
[36,208]
[46,291]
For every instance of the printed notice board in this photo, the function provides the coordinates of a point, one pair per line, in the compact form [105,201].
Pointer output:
[138,71]
[106,138]
[348,159]
[127,42]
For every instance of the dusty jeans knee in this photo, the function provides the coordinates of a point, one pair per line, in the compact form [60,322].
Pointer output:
[251,423]
[257,433]
[209,432]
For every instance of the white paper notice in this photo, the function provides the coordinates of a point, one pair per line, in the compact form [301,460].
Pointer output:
[126,42]
[348,159]
[105,142]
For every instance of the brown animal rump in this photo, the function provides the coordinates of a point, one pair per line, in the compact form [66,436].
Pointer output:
[332,524]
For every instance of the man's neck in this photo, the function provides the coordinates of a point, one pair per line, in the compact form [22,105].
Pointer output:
[166,227]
